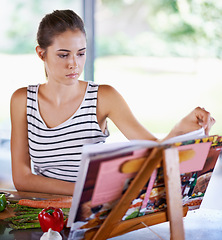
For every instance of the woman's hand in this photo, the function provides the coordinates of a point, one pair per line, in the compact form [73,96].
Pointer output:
[198,118]
[204,119]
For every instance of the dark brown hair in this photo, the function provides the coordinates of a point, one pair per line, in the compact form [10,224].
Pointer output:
[56,23]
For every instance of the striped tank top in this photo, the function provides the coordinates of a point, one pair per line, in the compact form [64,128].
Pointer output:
[56,152]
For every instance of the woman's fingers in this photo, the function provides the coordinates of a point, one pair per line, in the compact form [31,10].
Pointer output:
[204,119]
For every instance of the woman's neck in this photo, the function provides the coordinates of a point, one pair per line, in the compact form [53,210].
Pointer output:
[60,93]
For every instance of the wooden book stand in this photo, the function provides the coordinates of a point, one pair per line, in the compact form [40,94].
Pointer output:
[113,224]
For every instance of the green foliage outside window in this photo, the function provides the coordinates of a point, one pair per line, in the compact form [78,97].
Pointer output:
[190,28]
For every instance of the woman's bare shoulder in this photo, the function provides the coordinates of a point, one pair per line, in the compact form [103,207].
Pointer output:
[20,93]
[106,90]
[19,96]
[109,99]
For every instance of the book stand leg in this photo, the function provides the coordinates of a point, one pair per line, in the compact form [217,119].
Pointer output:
[114,226]
[173,193]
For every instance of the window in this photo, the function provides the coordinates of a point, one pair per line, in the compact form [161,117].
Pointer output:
[163,56]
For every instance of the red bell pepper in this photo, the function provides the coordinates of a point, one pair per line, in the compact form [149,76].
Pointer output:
[51,218]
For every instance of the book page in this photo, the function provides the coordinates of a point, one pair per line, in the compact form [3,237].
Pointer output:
[111,182]
[200,133]
[196,162]
[104,150]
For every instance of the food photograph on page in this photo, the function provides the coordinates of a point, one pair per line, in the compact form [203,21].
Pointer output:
[193,187]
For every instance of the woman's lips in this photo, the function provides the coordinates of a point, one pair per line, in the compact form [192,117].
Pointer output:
[72,75]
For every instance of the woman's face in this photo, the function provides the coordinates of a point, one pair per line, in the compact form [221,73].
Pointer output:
[65,58]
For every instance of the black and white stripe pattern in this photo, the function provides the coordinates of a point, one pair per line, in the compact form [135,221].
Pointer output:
[56,152]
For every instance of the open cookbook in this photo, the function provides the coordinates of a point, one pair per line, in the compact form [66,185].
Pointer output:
[107,170]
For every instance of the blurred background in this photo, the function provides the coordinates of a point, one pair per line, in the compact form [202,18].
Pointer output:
[163,56]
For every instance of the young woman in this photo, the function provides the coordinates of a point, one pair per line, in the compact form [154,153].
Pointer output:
[52,121]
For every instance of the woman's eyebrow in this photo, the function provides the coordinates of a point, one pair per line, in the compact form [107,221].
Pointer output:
[63,50]
[82,49]
[66,50]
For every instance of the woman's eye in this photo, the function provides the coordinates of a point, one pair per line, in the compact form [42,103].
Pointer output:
[82,54]
[63,55]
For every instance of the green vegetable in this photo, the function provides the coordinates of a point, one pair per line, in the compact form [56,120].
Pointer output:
[3,202]
[24,225]
[26,217]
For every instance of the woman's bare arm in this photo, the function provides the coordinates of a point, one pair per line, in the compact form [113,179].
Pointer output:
[112,105]
[23,178]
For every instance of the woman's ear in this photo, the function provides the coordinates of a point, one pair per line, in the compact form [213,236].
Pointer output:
[40,52]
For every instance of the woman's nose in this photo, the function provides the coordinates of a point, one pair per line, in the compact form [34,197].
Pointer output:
[73,64]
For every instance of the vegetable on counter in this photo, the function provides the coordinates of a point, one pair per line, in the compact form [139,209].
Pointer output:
[27,217]
[51,235]
[3,202]
[64,202]
[27,225]
[51,218]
